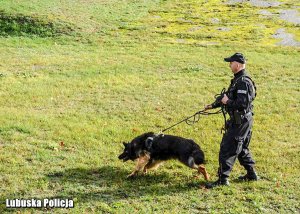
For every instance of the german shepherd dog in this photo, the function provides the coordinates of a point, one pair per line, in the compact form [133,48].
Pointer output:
[150,150]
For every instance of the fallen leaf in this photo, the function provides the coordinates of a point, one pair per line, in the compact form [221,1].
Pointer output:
[203,188]
[157,109]
[135,130]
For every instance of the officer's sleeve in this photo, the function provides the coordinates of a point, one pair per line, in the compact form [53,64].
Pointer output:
[216,104]
[241,101]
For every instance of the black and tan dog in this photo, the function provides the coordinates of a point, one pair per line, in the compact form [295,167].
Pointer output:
[149,150]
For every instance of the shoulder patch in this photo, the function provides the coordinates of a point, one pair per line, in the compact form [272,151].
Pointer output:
[242,92]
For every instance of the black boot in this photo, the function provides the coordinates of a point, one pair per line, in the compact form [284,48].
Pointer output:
[250,176]
[219,182]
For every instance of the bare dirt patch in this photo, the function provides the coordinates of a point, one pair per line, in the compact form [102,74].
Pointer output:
[287,39]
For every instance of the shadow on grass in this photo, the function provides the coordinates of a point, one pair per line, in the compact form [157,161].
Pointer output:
[109,184]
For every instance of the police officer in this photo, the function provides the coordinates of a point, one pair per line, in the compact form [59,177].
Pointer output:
[237,102]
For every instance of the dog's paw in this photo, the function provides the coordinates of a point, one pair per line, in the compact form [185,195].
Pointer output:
[131,175]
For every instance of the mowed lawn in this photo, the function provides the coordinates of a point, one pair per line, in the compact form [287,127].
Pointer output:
[71,95]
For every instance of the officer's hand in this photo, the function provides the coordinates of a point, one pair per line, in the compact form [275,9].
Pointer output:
[207,107]
[224,99]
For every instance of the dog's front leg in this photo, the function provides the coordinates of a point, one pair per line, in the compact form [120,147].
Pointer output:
[141,163]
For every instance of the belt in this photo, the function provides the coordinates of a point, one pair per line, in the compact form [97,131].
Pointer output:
[242,113]
[238,117]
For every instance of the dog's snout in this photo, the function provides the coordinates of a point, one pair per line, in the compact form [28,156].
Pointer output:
[121,156]
[125,159]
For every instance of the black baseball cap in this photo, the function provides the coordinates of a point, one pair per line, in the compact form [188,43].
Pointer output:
[238,57]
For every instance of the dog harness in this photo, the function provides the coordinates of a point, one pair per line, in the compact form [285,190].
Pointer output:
[149,141]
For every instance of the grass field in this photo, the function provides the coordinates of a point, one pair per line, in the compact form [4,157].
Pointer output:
[94,73]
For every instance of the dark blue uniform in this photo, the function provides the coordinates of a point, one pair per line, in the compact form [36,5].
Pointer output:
[236,139]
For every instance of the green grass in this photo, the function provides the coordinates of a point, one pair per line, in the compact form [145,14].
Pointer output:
[131,67]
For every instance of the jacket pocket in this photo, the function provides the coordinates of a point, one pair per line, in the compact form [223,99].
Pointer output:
[248,116]
[239,144]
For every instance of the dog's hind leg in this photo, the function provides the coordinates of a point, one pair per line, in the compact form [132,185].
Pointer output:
[140,165]
[190,162]
[202,170]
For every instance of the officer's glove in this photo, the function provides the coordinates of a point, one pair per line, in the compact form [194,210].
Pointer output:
[217,102]
[207,107]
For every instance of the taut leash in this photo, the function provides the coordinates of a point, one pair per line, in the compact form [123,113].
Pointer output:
[196,118]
